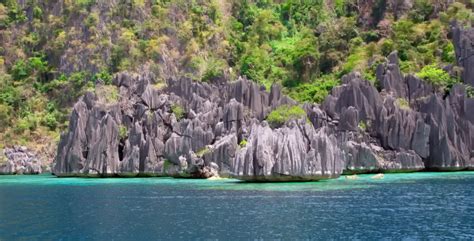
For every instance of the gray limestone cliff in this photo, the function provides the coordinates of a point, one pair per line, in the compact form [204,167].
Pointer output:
[463,39]
[20,160]
[295,152]
[186,129]
[193,129]
[407,126]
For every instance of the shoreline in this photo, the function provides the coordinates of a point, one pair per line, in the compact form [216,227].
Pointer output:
[262,180]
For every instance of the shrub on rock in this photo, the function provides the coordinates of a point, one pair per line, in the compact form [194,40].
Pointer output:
[178,111]
[284,113]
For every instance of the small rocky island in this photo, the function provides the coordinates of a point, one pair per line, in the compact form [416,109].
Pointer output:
[200,130]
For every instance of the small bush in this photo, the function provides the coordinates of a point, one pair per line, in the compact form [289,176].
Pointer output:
[437,77]
[178,111]
[26,123]
[387,47]
[5,112]
[104,76]
[448,54]
[167,164]
[362,125]
[84,3]
[422,10]
[107,93]
[160,85]
[4,19]
[470,91]
[37,12]
[92,20]
[16,14]
[402,103]
[315,91]
[123,132]
[149,116]
[354,62]
[203,152]
[23,69]
[243,143]
[214,70]
[370,36]
[459,12]
[50,121]
[20,70]
[284,113]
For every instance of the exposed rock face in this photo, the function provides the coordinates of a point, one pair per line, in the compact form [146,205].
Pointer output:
[452,130]
[363,155]
[139,135]
[201,130]
[295,152]
[372,11]
[406,127]
[463,40]
[20,160]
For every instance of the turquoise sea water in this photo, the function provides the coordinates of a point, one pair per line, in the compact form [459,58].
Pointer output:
[400,206]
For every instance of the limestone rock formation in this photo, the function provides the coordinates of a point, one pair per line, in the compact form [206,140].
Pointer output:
[405,127]
[202,130]
[20,160]
[295,152]
[142,133]
[463,39]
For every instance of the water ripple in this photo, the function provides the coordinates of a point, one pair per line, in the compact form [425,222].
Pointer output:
[401,206]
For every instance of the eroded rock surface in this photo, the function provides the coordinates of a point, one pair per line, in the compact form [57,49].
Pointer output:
[20,160]
[202,130]
[407,126]
[463,39]
[141,134]
[295,152]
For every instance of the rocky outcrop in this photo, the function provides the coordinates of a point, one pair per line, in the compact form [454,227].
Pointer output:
[452,130]
[188,129]
[376,12]
[371,12]
[296,152]
[463,40]
[363,154]
[405,127]
[201,130]
[20,160]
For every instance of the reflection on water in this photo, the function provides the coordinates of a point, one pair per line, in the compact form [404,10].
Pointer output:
[405,206]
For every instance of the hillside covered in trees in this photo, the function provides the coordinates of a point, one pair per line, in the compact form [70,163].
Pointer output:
[54,51]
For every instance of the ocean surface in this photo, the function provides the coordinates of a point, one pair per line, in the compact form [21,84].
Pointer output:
[416,206]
